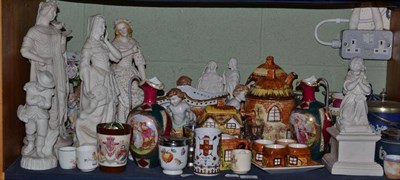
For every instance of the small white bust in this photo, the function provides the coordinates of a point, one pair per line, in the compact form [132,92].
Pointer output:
[239,95]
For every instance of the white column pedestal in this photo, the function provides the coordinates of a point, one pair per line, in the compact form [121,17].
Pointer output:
[352,154]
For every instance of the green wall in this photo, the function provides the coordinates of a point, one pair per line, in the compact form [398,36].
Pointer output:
[180,41]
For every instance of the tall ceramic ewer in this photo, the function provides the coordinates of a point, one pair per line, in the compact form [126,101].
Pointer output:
[149,122]
[311,118]
[206,158]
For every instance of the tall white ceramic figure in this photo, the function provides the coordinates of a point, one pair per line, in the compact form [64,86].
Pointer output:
[99,91]
[44,46]
[35,114]
[125,69]
[210,80]
[231,77]
[354,108]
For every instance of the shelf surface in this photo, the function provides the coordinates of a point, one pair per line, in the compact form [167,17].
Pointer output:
[134,172]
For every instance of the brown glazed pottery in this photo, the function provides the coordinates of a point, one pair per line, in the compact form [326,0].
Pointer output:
[274,155]
[298,155]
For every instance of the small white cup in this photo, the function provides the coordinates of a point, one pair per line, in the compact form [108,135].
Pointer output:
[87,158]
[241,161]
[67,157]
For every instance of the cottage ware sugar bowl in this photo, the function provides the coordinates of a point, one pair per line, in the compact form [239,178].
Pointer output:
[270,99]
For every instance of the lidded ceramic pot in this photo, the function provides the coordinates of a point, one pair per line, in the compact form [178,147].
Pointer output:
[388,144]
[269,101]
[383,114]
[173,154]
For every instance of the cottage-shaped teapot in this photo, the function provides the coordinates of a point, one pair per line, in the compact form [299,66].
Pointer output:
[269,102]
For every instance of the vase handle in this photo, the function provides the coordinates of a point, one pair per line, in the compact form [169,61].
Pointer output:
[134,78]
[324,82]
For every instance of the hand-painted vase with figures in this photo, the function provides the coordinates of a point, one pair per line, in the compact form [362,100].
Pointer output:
[149,122]
[310,119]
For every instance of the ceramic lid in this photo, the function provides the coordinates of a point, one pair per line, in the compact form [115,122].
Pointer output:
[173,141]
[384,106]
[270,81]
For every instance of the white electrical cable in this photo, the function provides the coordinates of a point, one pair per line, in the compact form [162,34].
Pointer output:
[335,43]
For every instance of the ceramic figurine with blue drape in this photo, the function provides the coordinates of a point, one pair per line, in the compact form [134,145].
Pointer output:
[311,118]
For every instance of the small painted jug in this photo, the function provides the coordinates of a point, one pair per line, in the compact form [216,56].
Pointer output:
[310,119]
[149,122]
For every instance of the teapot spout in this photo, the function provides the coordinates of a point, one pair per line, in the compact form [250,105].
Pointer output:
[290,78]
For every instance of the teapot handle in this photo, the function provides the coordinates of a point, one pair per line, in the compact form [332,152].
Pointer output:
[134,78]
[324,82]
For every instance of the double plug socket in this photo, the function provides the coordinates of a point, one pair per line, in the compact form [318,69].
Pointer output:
[367,44]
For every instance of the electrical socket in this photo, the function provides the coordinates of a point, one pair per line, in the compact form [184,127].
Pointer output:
[367,44]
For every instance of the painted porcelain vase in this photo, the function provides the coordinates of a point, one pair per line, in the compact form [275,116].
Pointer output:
[149,122]
[269,102]
[310,119]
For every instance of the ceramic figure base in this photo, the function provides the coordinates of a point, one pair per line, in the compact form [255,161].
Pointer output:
[352,154]
[37,163]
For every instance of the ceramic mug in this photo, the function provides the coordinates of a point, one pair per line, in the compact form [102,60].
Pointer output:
[285,142]
[241,161]
[206,158]
[274,155]
[298,155]
[391,166]
[67,157]
[257,147]
[87,158]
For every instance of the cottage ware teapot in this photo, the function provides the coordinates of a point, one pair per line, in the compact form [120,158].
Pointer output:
[149,122]
[269,101]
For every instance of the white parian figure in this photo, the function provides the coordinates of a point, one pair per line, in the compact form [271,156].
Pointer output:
[231,77]
[99,89]
[131,64]
[210,80]
[354,109]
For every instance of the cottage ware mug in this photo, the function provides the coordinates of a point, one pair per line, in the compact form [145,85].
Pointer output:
[391,166]
[173,154]
[241,161]
[257,147]
[274,155]
[298,155]
[87,158]
[67,157]
[206,158]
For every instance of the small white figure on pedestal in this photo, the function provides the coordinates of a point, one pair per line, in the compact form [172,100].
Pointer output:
[179,110]
[35,114]
[125,69]
[210,80]
[99,88]
[231,77]
[239,95]
[353,109]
